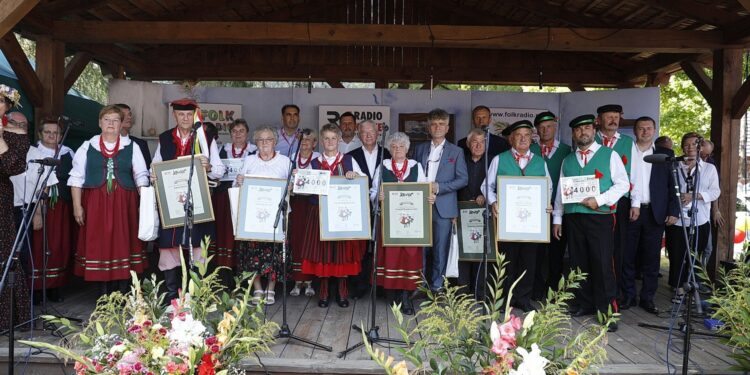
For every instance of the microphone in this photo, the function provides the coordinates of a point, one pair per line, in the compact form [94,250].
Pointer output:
[67,121]
[385,128]
[46,161]
[662,158]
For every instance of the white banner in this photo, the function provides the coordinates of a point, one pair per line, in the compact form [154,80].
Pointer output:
[502,117]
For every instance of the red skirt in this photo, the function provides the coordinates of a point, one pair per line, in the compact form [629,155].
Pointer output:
[298,224]
[399,267]
[329,258]
[60,232]
[108,245]
[223,248]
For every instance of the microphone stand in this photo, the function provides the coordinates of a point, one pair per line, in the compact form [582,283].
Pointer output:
[281,214]
[187,226]
[691,285]
[485,217]
[11,264]
[372,333]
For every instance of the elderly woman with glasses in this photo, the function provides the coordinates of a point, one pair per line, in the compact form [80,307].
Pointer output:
[239,148]
[261,257]
[107,173]
[399,268]
[298,216]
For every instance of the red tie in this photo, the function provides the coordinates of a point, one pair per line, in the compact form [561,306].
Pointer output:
[609,141]
[518,157]
[585,156]
[546,150]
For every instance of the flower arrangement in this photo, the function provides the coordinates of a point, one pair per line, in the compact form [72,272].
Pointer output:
[460,338]
[204,331]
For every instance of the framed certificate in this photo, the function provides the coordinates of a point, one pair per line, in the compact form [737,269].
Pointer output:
[311,181]
[522,209]
[471,233]
[259,201]
[171,192]
[345,211]
[233,168]
[407,216]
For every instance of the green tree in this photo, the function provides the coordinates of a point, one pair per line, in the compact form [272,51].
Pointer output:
[683,110]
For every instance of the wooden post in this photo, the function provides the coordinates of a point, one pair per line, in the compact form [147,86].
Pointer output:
[50,67]
[725,133]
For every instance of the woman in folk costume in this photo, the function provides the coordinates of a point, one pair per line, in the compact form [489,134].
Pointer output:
[107,173]
[173,144]
[14,143]
[263,258]
[239,148]
[59,220]
[326,259]
[399,268]
[300,205]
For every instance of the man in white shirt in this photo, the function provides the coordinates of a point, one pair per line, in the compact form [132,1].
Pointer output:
[653,206]
[589,223]
[288,132]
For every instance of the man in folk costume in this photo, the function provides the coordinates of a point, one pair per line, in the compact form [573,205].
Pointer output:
[521,256]
[553,152]
[173,144]
[608,120]
[589,224]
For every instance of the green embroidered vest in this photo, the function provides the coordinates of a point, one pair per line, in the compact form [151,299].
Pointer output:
[624,148]
[553,163]
[599,162]
[96,168]
[507,166]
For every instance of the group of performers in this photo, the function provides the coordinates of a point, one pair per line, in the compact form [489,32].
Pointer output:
[97,187]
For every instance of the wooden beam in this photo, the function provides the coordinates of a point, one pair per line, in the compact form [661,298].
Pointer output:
[741,100]
[657,79]
[701,12]
[12,11]
[573,87]
[74,68]
[745,4]
[449,36]
[725,133]
[558,12]
[50,66]
[348,73]
[661,63]
[27,77]
[701,81]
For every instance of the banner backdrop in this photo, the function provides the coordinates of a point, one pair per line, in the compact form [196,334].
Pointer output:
[221,115]
[502,117]
[381,114]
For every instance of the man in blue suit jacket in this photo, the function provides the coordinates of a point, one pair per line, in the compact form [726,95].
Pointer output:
[653,206]
[444,164]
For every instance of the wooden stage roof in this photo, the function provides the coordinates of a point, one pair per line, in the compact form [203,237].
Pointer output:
[574,43]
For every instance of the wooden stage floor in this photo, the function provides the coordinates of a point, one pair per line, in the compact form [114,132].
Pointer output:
[632,349]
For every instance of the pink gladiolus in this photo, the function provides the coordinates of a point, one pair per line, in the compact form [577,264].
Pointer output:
[147,323]
[171,367]
[212,340]
[516,322]
[134,329]
[507,330]
[215,348]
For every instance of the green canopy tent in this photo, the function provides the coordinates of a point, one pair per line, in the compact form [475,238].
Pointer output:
[77,106]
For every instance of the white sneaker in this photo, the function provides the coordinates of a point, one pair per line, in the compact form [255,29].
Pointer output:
[270,297]
[309,291]
[296,290]
[257,296]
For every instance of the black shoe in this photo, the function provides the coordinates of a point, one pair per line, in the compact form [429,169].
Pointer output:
[612,327]
[582,312]
[418,294]
[625,303]
[344,303]
[649,306]
[323,303]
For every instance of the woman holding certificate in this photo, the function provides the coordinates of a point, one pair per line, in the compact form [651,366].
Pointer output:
[298,216]
[107,172]
[256,256]
[326,259]
[399,268]
[238,149]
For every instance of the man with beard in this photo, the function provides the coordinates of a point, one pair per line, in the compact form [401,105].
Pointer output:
[589,223]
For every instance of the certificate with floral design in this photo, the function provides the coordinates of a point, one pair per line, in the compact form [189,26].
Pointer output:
[522,209]
[345,211]
[471,231]
[407,215]
[259,203]
[172,188]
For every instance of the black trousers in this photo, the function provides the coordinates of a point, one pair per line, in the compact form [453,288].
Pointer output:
[521,256]
[643,250]
[550,265]
[622,219]
[677,248]
[590,242]
[471,278]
